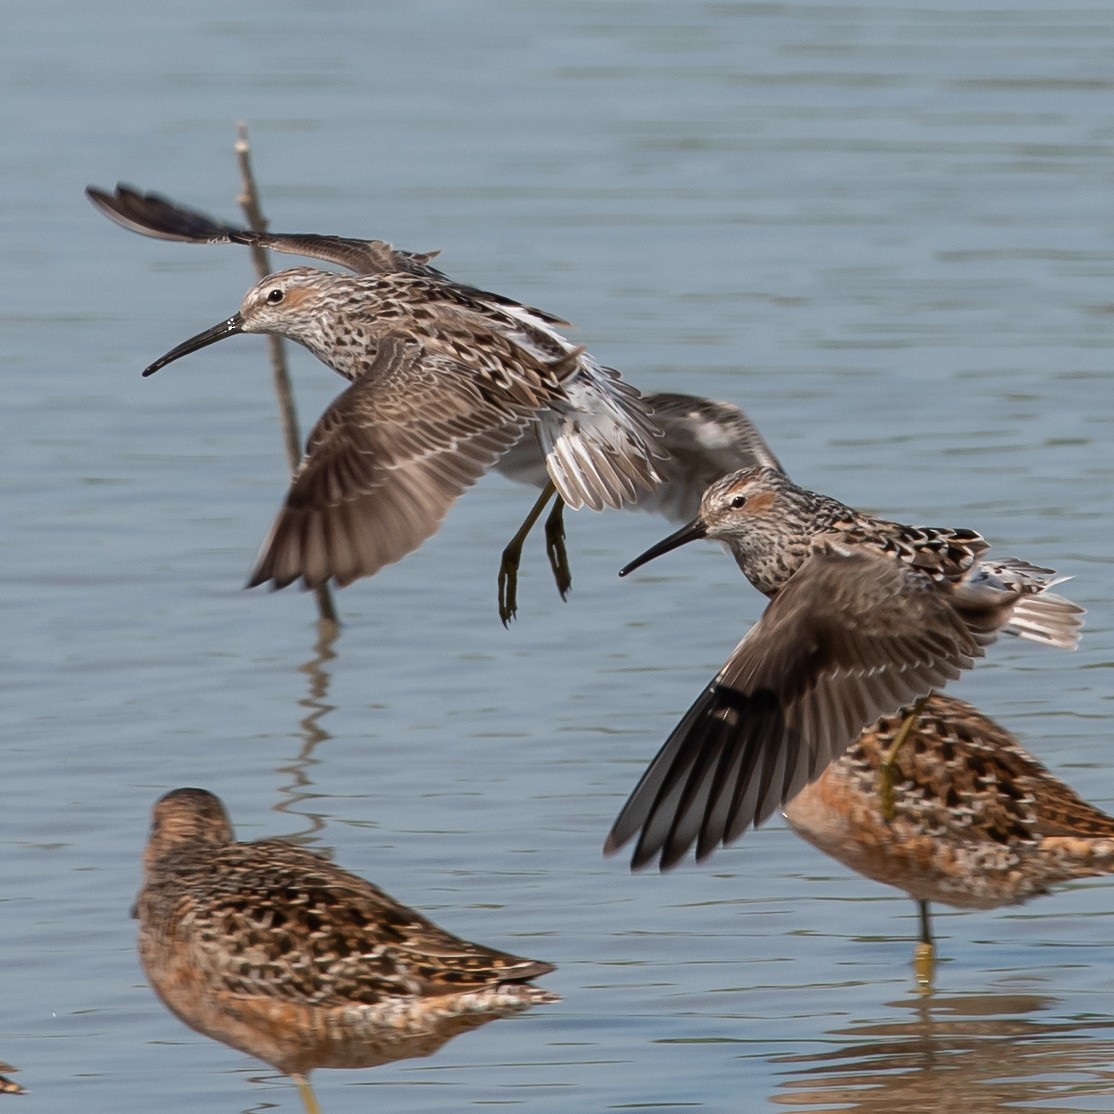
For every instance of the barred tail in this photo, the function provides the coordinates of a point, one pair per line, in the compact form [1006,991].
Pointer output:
[1046,617]
[600,442]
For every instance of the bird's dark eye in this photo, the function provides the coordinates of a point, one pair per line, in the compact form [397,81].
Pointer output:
[739,501]
[275,296]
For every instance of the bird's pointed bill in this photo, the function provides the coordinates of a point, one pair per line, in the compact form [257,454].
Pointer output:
[229,328]
[690,533]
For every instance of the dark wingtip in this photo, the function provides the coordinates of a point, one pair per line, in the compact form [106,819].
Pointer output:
[643,859]
[639,860]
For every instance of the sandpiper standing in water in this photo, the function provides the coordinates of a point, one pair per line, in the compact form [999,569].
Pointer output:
[866,616]
[977,821]
[445,378]
[282,955]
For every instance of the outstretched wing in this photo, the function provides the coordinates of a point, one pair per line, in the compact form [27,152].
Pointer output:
[854,635]
[152,214]
[701,441]
[383,465]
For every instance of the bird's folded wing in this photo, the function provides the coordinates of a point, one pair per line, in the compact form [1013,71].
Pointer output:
[346,941]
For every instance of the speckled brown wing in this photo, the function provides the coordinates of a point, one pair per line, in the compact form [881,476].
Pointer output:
[942,552]
[852,636]
[384,464]
[152,214]
[268,919]
[977,822]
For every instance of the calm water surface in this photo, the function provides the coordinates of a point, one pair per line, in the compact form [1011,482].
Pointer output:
[887,232]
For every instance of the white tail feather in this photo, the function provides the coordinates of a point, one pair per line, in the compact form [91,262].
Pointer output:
[1048,618]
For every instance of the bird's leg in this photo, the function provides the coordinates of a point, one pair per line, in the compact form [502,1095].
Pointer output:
[924,956]
[889,760]
[512,557]
[309,1099]
[555,547]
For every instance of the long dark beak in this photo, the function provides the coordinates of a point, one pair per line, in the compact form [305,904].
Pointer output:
[229,328]
[690,533]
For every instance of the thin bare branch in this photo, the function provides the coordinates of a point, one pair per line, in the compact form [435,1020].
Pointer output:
[253,213]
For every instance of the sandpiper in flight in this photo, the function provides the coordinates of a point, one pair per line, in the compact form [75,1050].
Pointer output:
[866,616]
[445,378]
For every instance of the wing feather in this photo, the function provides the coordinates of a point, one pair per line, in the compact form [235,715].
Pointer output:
[383,466]
[854,635]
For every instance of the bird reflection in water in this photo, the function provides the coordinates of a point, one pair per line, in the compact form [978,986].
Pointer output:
[974,1053]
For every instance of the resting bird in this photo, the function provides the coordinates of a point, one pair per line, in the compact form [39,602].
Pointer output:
[282,955]
[977,821]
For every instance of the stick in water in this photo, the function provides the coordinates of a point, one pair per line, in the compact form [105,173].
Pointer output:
[249,202]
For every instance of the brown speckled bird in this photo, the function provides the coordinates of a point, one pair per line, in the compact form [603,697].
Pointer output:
[395,450]
[866,616]
[977,821]
[284,956]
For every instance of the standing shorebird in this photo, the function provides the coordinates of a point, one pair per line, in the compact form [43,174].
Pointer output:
[476,373]
[284,956]
[977,821]
[866,616]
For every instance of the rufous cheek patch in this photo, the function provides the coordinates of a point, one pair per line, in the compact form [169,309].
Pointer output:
[763,501]
[296,295]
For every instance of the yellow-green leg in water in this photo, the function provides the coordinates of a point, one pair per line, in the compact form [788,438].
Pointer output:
[309,1099]
[924,955]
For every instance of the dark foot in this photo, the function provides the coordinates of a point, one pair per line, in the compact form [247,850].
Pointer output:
[508,582]
[512,556]
[555,548]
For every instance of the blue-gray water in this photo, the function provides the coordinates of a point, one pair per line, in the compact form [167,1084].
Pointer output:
[886,232]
